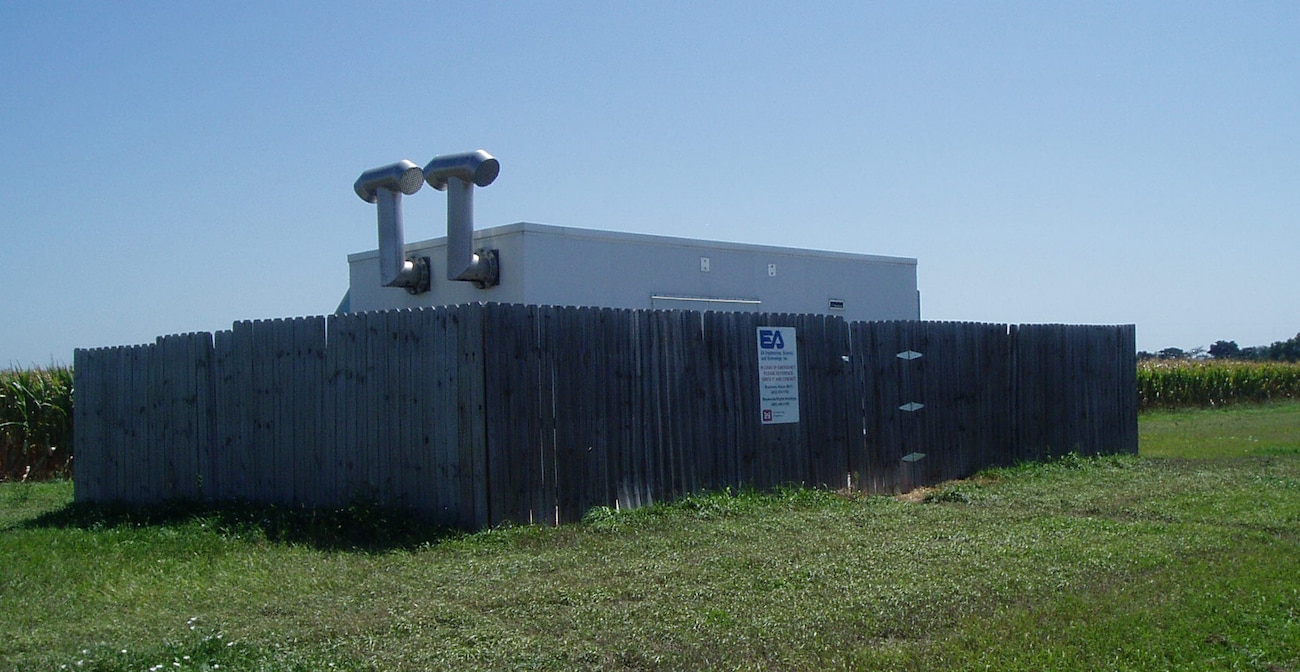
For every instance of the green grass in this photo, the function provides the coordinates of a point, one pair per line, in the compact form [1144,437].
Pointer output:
[1129,563]
[1250,430]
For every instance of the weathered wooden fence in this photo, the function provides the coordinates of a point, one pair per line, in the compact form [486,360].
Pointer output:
[474,415]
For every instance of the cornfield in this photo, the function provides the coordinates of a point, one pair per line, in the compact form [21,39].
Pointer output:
[1178,383]
[35,423]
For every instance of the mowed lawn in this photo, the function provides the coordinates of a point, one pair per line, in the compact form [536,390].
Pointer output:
[1187,557]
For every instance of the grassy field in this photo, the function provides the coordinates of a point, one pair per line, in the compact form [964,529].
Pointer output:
[1247,430]
[1184,558]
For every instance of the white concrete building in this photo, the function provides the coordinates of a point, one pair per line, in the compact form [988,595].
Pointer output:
[553,265]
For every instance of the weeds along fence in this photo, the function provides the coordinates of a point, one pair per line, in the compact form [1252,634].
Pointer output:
[479,414]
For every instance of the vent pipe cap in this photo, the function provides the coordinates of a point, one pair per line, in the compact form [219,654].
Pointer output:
[403,176]
[477,167]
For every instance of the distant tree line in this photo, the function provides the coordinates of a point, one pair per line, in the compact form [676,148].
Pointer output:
[1280,351]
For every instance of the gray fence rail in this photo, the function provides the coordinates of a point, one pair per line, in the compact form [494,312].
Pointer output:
[479,414]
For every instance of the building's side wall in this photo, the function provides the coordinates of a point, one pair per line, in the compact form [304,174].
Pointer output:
[545,265]
[570,268]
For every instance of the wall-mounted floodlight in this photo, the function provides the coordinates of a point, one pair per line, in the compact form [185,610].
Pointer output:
[457,174]
[384,186]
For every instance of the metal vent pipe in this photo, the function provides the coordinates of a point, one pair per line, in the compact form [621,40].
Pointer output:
[384,186]
[457,174]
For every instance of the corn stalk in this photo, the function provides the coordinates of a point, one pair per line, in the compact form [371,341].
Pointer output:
[35,423]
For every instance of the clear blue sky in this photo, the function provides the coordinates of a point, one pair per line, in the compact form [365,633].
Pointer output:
[176,166]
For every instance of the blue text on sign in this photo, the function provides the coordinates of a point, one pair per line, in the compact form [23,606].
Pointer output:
[770,339]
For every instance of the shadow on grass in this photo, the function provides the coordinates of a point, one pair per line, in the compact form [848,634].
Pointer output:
[359,528]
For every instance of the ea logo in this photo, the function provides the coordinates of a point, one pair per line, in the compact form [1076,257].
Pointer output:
[770,339]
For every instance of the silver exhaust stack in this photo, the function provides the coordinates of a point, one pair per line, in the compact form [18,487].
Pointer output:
[384,186]
[457,174]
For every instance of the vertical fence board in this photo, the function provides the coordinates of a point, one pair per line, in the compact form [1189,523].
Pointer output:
[437,426]
[709,446]
[573,421]
[112,407]
[438,420]
[205,412]
[188,444]
[284,420]
[144,428]
[398,392]
[586,405]
[398,408]
[656,446]
[687,403]
[246,481]
[536,419]
[415,370]
[641,482]
[145,480]
[722,459]
[876,381]
[115,409]
[567,431]
[368,391]
[261,455]
[332,414]
[175,409]
[407,472]
[630,477]
[343,372]
[269,455]
[308,390]
[824,396]
[167,374]
[217,488]
[596,390]
[414,367]
[83,490]
[301,453]
[198,348]
[547,358]
[1126,404]
[319,425]
[501,389]
[445,418]
[88,376]
[425,413]
[383,331]
[471,417]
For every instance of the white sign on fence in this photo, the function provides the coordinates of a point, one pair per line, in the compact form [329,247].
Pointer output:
[778,375]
